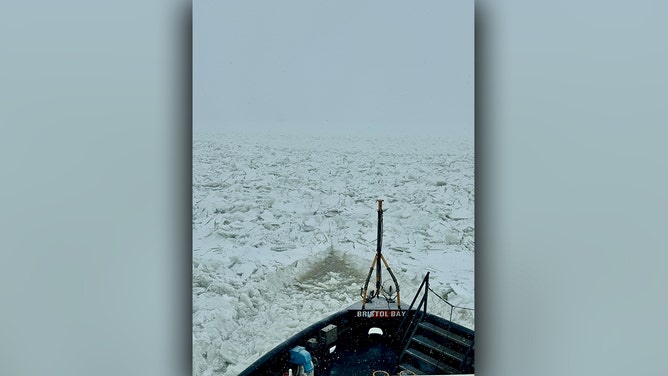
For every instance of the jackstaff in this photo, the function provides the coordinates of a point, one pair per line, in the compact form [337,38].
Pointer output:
[376,264]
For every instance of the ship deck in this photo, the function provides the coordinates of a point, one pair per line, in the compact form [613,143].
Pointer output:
[374,357]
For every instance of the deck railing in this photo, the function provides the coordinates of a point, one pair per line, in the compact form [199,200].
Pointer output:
[452,306]
[413,317]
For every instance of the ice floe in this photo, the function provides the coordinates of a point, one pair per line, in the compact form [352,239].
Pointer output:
[284,231]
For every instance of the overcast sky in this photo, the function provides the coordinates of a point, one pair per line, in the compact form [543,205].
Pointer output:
[375,66]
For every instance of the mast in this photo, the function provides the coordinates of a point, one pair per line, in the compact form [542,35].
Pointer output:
[379,245]
[376,264]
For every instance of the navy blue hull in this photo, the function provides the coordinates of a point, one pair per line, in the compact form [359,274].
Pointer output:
[357,352]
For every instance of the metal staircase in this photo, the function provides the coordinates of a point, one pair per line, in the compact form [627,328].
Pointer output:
[432,345]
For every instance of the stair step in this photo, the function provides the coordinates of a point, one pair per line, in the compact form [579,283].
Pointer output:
[446,334]
[409,367]
[442,367]
[424,341]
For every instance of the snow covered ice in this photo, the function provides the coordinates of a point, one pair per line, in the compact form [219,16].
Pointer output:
[284,232]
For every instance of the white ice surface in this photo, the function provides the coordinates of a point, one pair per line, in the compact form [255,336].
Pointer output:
[284,232]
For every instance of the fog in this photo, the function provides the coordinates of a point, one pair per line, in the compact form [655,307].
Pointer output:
[368,67]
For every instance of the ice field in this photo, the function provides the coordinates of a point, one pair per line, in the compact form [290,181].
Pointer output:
[284,232]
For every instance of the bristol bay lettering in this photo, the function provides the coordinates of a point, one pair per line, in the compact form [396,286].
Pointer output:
[382,313]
